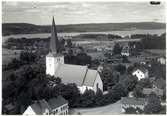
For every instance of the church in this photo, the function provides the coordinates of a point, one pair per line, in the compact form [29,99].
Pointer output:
[82,76]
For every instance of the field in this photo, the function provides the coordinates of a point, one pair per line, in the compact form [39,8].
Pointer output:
[157,51]
[8,55]
[121,33]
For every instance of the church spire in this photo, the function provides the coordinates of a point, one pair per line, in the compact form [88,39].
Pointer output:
[54,42]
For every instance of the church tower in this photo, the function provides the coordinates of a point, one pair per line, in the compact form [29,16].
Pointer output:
[54,57]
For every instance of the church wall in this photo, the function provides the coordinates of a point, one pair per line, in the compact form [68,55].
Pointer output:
[50,67]
[99,82]
[83,88]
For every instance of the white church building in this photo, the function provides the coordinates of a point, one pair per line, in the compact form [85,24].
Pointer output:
[82,76]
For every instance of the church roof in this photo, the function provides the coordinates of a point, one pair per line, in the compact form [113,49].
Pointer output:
[71,73]
[90,77]
[54,42]
[80,75]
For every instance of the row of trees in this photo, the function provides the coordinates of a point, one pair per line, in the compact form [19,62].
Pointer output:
[151,41]
[25,57]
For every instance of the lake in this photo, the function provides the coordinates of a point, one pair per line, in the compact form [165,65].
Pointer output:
[121,33]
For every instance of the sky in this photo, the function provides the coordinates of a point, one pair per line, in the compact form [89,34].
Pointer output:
[41,13]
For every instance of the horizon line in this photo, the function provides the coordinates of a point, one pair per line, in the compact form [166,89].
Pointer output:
[83,23]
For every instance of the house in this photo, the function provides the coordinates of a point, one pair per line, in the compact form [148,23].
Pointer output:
[58,106]
[82,76]
[161,60]
[140,73]
[127,102]
[40,107]
[125,51]
[157,91]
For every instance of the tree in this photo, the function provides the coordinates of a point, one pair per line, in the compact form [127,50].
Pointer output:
[145,83]
[137,92]
[69,92]
[153,106]
[118,91]
[88,98]
[23,100]
[14,64]
[107,78]
[121,68]
[27,57]
[117,49]
[52,80]
[99,99]
[83,59]
[69,43]
[130,69]
[130,82]
[125,59]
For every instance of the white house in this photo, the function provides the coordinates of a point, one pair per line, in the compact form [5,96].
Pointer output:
[55,106]
[125,51]
[41,107]
[157,91]
[83,77]
[140,73]
[161,60]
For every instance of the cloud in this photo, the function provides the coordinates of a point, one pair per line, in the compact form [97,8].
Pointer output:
[32,11]
[81,12]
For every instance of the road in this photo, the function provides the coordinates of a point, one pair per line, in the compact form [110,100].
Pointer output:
[114,109]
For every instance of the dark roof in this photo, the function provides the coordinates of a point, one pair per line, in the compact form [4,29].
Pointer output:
[57,102]
[54,42]
[133,101]
[51,54]
[40,106]
[143,69]
[148,91]
[160,83]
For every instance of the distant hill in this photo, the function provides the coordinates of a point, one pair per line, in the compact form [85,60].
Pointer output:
[25,28]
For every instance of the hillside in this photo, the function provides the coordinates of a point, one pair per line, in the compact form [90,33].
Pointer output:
[25,28]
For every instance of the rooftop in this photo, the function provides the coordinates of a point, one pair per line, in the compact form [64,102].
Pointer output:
[143,69]
[57,102]
[40,107]
[80,75]
[148,91]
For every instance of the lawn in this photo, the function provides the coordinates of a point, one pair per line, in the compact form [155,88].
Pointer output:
[112,109]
